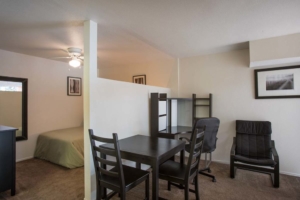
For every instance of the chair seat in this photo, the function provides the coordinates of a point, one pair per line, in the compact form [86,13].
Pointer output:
[173,169]
[258,161]
[131,176]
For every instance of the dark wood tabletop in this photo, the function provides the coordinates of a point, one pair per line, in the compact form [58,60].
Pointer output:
[149,150]
[172,131]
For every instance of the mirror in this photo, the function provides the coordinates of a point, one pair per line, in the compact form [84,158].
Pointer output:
[13,104]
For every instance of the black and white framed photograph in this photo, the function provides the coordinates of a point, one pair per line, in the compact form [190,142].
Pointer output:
[283,82]
[139,79]
[74,86]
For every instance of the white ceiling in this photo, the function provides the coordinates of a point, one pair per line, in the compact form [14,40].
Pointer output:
[133,31]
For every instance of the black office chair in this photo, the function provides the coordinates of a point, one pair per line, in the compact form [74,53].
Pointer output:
[180,175]
[212,126]
[120,178]
[253,146]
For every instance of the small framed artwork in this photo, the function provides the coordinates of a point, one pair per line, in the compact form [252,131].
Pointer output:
[272,83]
[74,86]
[139,79]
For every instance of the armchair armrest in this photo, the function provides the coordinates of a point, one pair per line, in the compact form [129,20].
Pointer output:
[274,151]
[185,139]
[232,152]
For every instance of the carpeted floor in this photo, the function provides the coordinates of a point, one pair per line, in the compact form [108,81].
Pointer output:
[41,180]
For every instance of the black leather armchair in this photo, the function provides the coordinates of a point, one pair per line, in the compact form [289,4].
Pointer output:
[253,146]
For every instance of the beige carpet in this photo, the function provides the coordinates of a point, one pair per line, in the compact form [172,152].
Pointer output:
[41,180]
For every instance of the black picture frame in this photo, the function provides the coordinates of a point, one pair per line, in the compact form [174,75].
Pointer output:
[283,69]
[139,79]
[70,89]
[24,82]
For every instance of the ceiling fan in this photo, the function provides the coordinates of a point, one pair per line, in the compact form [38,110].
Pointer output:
[75,54]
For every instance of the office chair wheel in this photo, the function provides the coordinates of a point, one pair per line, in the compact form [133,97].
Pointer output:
[214,180]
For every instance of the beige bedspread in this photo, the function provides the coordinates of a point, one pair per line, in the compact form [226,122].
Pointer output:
[63,147]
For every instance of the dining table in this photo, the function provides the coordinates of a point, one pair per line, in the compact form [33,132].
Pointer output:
[152,151]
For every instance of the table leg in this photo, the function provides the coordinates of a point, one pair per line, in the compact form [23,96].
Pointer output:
[182,155]
[155,181]
[138,165]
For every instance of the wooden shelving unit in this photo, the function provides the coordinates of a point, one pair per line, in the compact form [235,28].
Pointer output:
[171,131]
[195,105]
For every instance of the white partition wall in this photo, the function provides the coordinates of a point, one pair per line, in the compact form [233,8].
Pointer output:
[119,107]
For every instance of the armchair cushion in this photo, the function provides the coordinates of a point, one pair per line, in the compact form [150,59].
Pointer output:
[253,139]
[254,161]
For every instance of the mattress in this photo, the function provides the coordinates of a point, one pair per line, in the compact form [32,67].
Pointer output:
[63,147]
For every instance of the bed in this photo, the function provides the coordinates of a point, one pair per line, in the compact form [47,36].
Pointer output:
[63,147]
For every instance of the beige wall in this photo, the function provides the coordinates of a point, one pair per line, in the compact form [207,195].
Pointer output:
[276,51]
[11,109]
[230,80]
[158,73]
[49,107]
[286,46]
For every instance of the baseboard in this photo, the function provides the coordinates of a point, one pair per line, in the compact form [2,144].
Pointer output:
[22,159]
[290,174]
[221,161]
[281,172]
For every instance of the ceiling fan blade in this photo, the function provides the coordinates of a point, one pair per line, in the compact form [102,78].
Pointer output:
[62,57]
[65,50]
[81,57]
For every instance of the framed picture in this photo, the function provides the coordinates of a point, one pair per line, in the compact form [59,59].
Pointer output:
[74,86]
[272,83]
[139,79]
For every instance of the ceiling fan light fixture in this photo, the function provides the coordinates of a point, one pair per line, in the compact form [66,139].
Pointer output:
[75,63]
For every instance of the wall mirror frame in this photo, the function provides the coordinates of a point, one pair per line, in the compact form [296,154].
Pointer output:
[24,81]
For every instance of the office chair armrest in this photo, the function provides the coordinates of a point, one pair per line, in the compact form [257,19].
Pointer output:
[274,151]
[185,139]
[232,152]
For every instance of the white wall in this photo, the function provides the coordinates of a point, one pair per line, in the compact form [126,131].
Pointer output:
[119,107]
[159,73]
[230,80]
[49,107]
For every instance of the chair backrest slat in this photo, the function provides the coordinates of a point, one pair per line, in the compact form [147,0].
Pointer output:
[105,151]
[109,173]
[106,162]
[194,164]
[101,162]
[198,145]
[197,141]
[104,140]
[195,154]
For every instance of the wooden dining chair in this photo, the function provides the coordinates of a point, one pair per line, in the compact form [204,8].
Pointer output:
[120,178]
[179,174]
